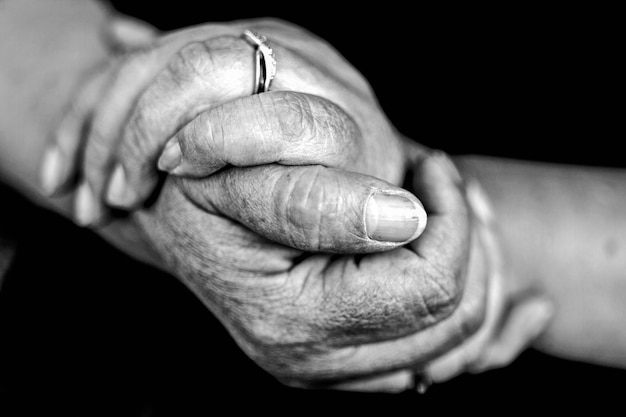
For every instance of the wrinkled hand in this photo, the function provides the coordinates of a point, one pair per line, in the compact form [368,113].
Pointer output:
[312,319]
[308,319]
[189,80]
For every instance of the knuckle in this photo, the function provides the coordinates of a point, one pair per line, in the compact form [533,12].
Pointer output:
[306,118]
[294,116]
[191,61]
[307,207]
[201,59]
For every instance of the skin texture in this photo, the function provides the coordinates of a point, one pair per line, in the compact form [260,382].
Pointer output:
[338,309]
[334,308]
[183,74]
[322,317]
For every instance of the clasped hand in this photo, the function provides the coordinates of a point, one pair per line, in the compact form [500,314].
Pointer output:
[298,216]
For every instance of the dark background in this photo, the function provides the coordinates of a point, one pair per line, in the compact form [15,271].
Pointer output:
[85,331]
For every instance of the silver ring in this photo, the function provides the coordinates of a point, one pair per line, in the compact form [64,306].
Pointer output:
[265,63]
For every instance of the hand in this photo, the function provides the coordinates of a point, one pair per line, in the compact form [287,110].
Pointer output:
[156,92]
[315,319]
[199,157]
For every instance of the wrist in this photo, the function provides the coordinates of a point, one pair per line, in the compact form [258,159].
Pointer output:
[518,269]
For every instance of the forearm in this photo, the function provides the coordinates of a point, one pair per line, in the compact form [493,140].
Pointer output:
[563,231]
[46,50]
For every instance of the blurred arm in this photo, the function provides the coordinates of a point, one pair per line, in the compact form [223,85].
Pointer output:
[46,50]
[564,234]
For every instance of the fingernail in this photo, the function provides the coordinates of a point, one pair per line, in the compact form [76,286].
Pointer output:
[52,170]
[394,218]
[118,192]
[171,156]
[85,208]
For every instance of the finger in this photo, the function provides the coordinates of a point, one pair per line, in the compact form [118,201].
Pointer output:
[59,166]
[126,34]
[439,186]
[313,208]
[393,382]
[425,314]
[458,360]
[473,353]
[496,348]
[446,204]
[283,127]
[310,49]
[525,323]
[374,314]
[103,134]
[202,75]
[110,115]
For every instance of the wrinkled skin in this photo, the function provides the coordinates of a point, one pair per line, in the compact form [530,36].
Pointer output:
[307,317]
[194,75]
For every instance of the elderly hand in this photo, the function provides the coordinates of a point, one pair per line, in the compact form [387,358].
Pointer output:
[306,318]
[314,319]
[151,94]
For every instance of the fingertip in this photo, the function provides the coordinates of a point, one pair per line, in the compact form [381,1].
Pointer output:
[85,206]
[119,192]
[171,158]
[53,171]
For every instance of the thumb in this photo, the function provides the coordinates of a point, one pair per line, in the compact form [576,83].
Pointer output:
[313,208]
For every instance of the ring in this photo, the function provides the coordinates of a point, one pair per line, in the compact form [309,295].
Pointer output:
[265,68]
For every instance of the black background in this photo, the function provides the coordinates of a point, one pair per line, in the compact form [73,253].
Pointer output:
[85,331]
